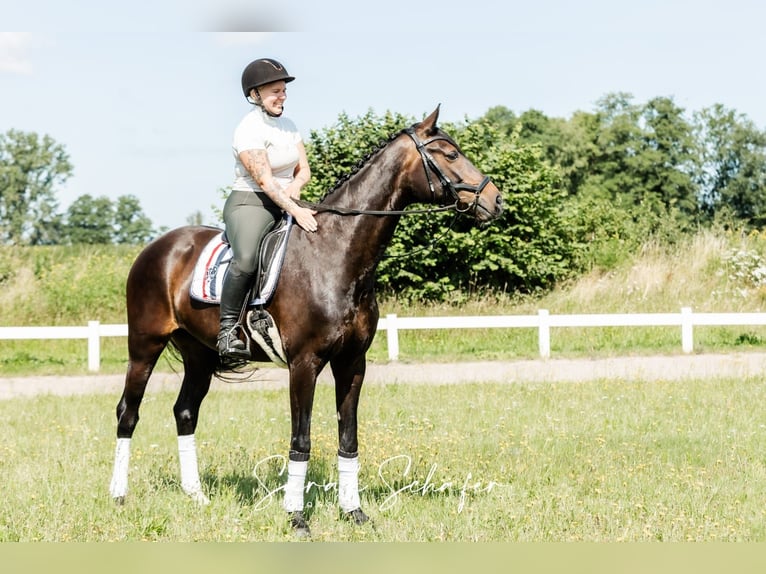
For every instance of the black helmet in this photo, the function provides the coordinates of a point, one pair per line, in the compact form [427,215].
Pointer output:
[263,71]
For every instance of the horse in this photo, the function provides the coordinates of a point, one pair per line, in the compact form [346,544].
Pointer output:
[324,305]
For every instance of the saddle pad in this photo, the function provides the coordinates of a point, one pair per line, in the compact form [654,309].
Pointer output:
[213,263]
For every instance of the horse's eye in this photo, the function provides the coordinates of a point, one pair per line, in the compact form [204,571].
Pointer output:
[453,155]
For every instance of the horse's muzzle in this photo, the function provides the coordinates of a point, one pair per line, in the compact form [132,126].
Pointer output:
[486,206]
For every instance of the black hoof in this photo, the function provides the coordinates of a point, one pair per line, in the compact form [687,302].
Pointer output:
[119,500]
[357,516]
[299,525]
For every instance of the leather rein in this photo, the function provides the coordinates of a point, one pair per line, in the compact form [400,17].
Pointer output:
[429,165]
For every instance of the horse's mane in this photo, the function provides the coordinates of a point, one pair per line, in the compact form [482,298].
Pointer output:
[361,163]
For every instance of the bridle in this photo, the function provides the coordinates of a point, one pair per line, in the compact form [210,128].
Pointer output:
[429,165]
[446,183]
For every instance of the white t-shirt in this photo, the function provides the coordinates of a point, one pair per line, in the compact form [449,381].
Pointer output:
[278,136]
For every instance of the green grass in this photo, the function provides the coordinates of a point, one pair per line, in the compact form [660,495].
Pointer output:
[600,461]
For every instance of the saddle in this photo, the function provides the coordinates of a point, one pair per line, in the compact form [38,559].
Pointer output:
[213,263]
[212,266]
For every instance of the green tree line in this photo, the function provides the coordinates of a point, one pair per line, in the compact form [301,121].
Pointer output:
[580,193]
[31,169]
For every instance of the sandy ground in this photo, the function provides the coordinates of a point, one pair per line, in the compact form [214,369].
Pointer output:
[669,368]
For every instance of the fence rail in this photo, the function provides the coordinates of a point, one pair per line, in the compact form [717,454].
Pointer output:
[543,321]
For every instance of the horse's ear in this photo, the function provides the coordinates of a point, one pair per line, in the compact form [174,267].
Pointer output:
[429,124]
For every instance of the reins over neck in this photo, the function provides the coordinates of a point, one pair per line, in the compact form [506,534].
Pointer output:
[350,211]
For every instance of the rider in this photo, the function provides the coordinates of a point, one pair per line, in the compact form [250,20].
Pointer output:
[270,168]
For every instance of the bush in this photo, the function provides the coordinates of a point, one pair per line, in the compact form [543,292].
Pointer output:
[431,258]
[57,285]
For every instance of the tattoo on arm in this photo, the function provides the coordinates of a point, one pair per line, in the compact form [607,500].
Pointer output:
[257,163]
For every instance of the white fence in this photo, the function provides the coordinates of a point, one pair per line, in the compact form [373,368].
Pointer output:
[93,332]
[543,321]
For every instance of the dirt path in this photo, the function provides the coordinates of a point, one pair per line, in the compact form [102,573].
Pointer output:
[670,368]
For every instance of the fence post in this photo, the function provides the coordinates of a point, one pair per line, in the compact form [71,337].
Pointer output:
[94,346]
[687,333]
[544,333]
[392,337]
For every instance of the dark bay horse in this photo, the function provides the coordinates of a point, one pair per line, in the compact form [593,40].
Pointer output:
[324,305]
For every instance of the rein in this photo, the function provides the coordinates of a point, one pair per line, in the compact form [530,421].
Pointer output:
[349,211]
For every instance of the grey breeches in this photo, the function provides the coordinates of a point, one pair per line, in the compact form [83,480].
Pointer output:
[248,217]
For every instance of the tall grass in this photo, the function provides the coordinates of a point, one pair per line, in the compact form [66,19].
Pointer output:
[710,272]
[601,461]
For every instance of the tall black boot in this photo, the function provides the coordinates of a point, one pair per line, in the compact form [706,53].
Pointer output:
[236,286]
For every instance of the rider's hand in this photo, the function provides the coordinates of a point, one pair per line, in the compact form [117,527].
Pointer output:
[304,217]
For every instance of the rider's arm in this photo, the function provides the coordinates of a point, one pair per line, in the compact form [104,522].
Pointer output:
[256,162]
[301,174]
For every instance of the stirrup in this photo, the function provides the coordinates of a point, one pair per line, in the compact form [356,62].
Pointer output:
[229,344]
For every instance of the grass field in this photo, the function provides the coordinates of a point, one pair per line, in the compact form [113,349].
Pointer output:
[601,461]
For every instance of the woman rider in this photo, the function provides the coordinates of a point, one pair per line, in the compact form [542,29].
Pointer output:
[270,168]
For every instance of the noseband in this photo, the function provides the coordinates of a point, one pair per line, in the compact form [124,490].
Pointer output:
[446,183]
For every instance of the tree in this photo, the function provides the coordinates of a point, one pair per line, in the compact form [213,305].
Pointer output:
[90,220]
[640,157]
[195,218]
[667,155]
[731,171]
[100,220]
[30,169]
[131,225]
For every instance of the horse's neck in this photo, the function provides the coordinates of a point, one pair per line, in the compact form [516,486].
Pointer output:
[375,187]
[364,238]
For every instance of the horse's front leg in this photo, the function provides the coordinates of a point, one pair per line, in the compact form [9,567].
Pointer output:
[302,384]
[349,377]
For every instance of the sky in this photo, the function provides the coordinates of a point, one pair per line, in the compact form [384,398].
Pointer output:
[144,97]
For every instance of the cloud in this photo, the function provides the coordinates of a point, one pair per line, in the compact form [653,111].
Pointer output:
[13,52]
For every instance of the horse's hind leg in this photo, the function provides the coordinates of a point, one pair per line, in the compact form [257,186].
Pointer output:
[143,352]
[199,364]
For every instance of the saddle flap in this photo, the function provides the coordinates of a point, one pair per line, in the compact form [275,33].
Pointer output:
[213,263]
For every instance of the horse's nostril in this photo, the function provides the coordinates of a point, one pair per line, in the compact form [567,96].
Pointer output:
[499,200]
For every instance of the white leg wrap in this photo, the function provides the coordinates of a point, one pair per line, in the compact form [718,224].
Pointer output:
[348,483]
[119,485]
[296,484]
[187,456]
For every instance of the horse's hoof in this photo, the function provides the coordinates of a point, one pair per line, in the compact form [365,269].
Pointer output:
[358,516]
[299,525]
[119,500]
[199,497]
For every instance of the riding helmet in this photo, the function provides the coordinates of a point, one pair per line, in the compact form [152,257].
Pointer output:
[263,71]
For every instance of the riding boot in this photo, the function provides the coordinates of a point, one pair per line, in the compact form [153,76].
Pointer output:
[236,286]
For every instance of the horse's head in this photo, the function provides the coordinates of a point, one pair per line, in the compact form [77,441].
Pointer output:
[439,161]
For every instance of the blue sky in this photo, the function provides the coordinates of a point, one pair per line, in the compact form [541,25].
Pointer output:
[145,101]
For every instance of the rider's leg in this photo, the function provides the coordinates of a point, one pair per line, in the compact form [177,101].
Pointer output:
[247,221]
[235,287]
